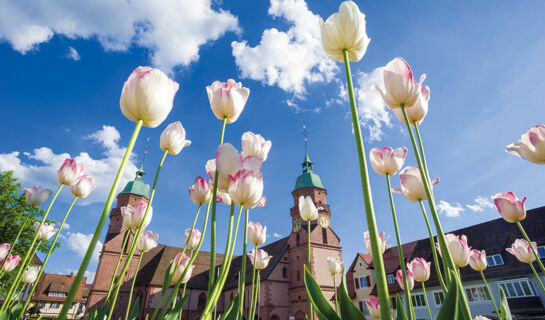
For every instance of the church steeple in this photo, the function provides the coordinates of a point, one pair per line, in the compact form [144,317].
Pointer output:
[308,178]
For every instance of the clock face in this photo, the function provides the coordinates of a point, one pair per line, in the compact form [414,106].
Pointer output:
[296,225]
[324,222]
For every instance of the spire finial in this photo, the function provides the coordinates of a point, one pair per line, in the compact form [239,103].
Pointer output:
[307,164]
[146,147]
[305,134]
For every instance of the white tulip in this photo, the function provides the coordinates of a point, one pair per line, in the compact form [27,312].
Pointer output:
[173,138]
[227,99]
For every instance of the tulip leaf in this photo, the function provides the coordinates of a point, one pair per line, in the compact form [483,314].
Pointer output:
[449,309]
[4,315]
[168,278]
[346,306]
[135,309]
[400,312]
[16,310]
[174,314]
[92,313]
[505,312]
[317,298]
[102,312]
[233,310]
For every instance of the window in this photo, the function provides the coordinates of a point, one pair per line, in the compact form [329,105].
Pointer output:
[418,300]
[517,288]
[56,294]
[324,235]
[54,305]
[390,278]
[364,282]
[477,294]
[364,307]
[494,260]
[360,264]
[541,252]
[285,272]
[438,297]
[201,301]
[298,276]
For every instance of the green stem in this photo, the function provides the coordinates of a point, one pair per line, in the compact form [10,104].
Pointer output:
[335,290]
[256,297]
[426,299]
[243,267]
[531,246]
[132,286]
[12,299]
[490,293]
[422,154]
[537,277]
[211,273]
[253,286]
[114,276]
[51,248]
[309,268]
[183,295]
[433,249]
[107,206]
[407,291]
[378,262]
[137,234]
[26,260]
[13,244]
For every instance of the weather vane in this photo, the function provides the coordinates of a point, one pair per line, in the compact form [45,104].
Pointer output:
[305,134]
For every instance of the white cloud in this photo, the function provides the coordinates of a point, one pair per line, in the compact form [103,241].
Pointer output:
[73,54]
[79,242]
[288,59]
[172,30]
[41,165]
[480,203]
[449,210]
[277,235]
[372,111]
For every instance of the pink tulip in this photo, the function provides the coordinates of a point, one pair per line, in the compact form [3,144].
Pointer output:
[373,306]
[255,145]
[229,162]
[399,279]
[193,240]
[382,241]
[257,233]
[183,264]
[200,191]
[83,187]
[387,161]
[10,263]
[227,99]
[458,248]
[412,185]
[70,172]
[521,249]
[246,188]
[418,111]
[531,145]
[4,249]
[45,232]
[173,138]
[262,202]
[148,95]
[261,258]
[133,215]
[223,196]
[510,207]
[481,318]
[148,240]
[400,87]
[36,195]
[420,269]
[477,260]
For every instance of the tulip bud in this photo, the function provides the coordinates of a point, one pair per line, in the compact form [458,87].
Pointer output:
[412,185]
[148,240]
[4,249]
[193,240]
[477,260]
[45,232]
[83,187]
[307,209]
[382,242]
[420,269]
[257,233]
[148,95]
[30,275]
[200,191]
[262,202]
[133,216]
[255,145]
[227,99]
[182,263]
[510,207]
[521,249]
[36,195]
[458,248]
[418,111]
[261,258]
[246,188]
[210,168]
[345,30]
[399,279]
[173,138]
[70,172]
[386,161]
[334,265]
[400,87]
[373,306]
[531,145]
[10,263]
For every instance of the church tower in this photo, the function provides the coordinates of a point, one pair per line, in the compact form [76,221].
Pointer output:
[323,241]
[134,192]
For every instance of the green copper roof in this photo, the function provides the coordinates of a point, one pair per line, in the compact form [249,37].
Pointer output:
[137,186]
[308,179]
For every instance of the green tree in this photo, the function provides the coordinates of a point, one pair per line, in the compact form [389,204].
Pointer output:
[13,212]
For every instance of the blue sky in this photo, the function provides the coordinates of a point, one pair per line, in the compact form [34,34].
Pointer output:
[64,65]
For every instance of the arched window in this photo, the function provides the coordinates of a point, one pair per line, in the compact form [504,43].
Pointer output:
[285,273]
[202,301]
[297,238]
[324,235]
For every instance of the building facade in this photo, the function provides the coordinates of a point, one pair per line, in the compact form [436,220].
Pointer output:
[526,299]
[282,293]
